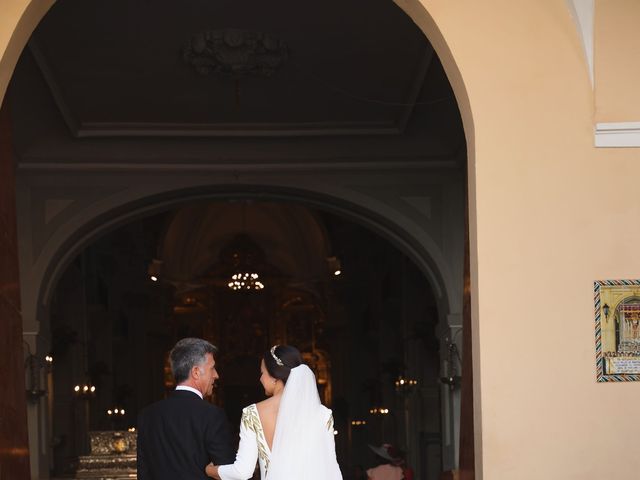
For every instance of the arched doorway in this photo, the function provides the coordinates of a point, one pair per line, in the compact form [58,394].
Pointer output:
[407,217]
[449,327]
[361,331]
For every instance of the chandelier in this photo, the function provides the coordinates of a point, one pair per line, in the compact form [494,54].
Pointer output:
[244,257]
[245,281]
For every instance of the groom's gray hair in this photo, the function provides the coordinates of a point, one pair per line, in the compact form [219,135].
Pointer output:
[188,353]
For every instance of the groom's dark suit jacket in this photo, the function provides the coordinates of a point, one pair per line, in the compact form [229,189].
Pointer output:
[179,436]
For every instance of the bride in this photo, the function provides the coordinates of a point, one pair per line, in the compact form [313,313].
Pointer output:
[290,433]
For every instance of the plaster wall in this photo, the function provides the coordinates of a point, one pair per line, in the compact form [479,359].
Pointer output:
[549,210]
[617,51]
[18,18]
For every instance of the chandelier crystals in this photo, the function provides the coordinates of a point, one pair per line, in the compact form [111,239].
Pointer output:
[245,281]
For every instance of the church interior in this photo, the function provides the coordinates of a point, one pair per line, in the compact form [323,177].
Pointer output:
[237,172]
[469,167]
[360,311]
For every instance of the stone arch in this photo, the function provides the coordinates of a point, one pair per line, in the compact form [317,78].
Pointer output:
[24,16]
[20,20]
[104,216]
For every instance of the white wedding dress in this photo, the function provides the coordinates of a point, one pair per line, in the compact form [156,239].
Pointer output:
[303,443]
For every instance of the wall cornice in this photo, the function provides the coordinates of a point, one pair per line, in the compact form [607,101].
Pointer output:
[617,134]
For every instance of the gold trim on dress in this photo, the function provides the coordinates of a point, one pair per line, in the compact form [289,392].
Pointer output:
[330,423]
[251,421]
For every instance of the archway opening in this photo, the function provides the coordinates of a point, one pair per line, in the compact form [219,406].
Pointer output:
[91,120]
[362,313]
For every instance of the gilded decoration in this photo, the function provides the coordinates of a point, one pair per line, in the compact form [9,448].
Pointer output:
[330,423]
[112,457]
[251,421]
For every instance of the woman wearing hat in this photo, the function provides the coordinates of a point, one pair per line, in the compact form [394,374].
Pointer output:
[393,466]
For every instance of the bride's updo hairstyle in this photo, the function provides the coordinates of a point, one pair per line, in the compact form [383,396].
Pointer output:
[280,360]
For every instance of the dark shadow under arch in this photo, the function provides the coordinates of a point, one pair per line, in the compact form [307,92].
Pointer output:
[118,216]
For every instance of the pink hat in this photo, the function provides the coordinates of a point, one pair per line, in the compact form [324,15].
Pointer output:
[388,452]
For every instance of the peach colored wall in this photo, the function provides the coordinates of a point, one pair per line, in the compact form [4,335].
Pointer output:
[617,60]
[549,209]
[18,18]
[549,214]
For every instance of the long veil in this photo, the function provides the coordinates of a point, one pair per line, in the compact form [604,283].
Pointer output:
[303,446]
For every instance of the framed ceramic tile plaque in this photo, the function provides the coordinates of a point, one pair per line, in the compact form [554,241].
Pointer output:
[617,315]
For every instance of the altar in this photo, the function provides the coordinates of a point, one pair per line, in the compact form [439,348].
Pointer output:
[112,456]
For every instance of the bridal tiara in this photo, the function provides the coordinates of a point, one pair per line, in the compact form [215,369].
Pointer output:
[275,357]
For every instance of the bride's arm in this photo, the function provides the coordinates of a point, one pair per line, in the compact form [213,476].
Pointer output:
[330,436]
[246,458]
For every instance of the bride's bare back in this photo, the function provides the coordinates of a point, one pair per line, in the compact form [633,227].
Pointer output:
[305,447]
[268,411]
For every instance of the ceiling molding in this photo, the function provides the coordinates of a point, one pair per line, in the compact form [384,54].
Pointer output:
[89,129]
[298,129]
[440,163]
[70,119]
[416,87]
[617,135]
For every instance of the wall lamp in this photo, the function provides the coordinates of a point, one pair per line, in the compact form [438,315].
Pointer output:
[155,269]
[33,365]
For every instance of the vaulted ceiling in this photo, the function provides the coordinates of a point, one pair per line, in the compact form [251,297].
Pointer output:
[358,72]
[292,235]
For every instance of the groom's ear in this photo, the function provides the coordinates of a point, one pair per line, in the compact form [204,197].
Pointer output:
[195,372]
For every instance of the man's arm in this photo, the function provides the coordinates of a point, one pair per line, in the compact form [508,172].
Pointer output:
[218,438]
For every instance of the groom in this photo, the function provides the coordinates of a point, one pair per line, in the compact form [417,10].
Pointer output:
[180,435]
